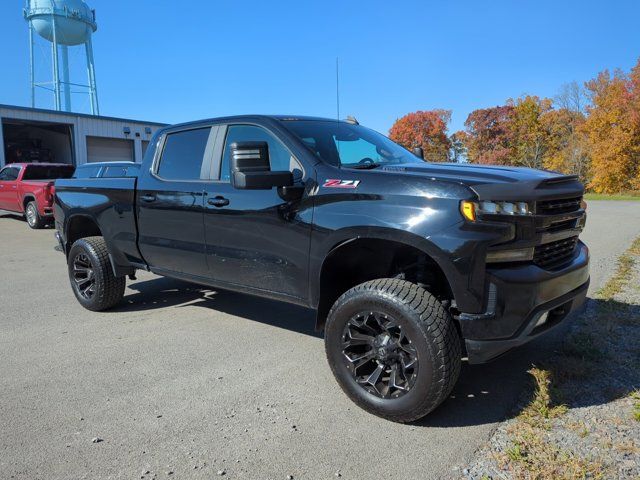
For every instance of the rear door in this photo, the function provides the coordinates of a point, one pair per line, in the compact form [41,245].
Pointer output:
[9,189]
[170,202]
[255,238]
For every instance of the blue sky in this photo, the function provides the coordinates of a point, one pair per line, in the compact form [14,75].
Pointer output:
[177,61]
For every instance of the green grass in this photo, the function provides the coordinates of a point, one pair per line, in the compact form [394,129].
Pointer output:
[615,197]
[636,406]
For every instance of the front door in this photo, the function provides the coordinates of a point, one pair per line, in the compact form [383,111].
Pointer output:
[255,238]
[170,200]
[9,188]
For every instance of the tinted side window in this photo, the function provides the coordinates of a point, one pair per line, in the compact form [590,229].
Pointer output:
[183,153]
[9,174]
[279,157]
[113,172]
[86,172]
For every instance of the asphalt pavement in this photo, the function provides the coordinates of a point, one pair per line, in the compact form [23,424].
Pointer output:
[185,382]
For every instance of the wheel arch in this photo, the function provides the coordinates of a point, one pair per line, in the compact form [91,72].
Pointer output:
[358,257]
[80,226]
[29,197]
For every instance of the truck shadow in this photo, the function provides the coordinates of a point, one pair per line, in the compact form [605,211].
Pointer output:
[484,394]
[167,292]
[16,216]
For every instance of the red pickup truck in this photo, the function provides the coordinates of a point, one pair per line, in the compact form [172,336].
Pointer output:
[27,188]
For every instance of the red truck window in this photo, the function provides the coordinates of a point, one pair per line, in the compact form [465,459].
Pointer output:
[9,174]
[47,172]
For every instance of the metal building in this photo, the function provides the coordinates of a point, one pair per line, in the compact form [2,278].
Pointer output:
[37,135]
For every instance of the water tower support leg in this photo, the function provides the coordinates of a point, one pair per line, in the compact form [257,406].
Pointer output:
[93,88]
[64,50]
[56,71]
[31,67]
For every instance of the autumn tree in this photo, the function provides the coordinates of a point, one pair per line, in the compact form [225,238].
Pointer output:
[458,151]
[567,149]
[612,128]
[426,129]
[528,133]
[488,135]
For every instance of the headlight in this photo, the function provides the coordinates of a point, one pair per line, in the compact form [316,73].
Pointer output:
[470,209]
[504,208]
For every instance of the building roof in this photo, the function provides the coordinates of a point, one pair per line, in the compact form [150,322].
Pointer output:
[76,114]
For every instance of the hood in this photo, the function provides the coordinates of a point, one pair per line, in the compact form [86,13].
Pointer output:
[496,182]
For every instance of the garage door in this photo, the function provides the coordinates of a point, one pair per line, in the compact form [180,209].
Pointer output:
[101,149]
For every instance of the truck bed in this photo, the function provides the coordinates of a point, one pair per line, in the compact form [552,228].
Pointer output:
[109,202]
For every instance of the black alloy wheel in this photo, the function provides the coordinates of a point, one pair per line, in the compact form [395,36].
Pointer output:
[84,276]
[379,354]
[393,348]
[91,275]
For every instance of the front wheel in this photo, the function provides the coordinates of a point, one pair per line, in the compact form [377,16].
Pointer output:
[92,279]
[34,220]
[393,349]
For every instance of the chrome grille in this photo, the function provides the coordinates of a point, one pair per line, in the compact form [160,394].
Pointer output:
[558,206]
[555,253]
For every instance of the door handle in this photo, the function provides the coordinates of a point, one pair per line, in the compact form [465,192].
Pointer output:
[148,198]
[218,201]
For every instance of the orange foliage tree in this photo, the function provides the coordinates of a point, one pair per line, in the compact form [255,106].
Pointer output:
[426,129]
[488,136]
[612,128]
[529,133]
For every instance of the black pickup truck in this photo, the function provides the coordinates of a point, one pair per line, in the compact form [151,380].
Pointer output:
[411,266]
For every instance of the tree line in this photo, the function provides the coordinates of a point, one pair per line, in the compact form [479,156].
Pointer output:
[590,130]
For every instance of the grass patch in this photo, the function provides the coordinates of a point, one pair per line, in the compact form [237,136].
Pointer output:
[541,408]
[531,455]
[626,261]
[616,197]
[636,406]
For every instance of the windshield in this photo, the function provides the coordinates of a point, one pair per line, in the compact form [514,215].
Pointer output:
[348,145]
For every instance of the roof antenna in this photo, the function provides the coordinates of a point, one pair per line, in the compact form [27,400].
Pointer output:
[337,91]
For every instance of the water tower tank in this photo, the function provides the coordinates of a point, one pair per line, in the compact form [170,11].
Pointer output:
[72,20]
[64,23]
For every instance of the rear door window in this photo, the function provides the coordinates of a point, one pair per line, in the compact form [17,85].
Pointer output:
[183,155]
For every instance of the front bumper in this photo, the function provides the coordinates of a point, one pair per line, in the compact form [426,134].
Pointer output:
[522,295]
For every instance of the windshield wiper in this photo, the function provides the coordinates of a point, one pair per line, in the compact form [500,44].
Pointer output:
[364,166]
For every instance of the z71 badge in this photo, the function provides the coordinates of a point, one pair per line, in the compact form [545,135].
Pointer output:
[337,183]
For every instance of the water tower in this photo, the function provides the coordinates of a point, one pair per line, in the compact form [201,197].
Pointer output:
[64,23]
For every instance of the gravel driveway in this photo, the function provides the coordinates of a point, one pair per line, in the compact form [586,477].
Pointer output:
[186,382]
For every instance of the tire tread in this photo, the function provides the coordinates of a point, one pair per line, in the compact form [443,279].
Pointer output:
[437,328]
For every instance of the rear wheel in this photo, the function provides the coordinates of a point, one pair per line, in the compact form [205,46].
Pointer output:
[91,275]
[393,349]
[34,220]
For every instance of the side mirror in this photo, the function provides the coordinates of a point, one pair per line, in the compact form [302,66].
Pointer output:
[418,152]
[250,168]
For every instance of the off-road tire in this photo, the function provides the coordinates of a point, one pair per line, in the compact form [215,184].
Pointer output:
[108,289]
[34,220]
[428,326]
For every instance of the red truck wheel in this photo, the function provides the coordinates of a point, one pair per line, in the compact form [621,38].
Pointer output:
[34,220]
